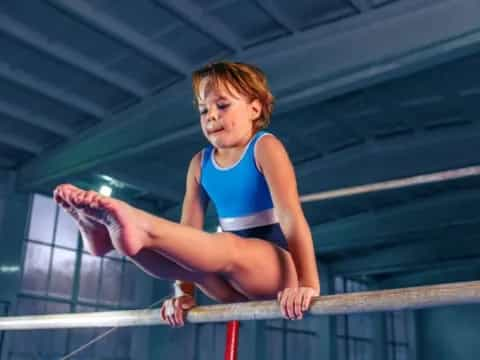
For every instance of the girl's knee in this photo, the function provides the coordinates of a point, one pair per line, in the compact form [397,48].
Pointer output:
[218,288]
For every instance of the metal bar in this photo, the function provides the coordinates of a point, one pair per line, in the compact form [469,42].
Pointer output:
[394,184]
[361,302]
[231,343]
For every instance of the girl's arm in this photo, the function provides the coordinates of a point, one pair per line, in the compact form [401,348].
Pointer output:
[193,212]
[272,159]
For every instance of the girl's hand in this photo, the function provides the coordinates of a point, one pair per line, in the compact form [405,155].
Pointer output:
[173,309]
[295,301]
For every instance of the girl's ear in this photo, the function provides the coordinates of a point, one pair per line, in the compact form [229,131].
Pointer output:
[256,109]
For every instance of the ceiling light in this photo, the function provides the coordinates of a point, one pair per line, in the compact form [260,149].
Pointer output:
[105,190]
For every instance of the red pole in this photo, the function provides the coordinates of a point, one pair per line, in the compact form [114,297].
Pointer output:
[231,346]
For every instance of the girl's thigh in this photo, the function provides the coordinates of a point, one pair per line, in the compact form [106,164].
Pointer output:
[261,269]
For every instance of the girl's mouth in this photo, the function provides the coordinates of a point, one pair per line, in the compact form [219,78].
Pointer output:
[214,131]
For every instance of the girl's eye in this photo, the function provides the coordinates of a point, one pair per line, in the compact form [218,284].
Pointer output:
[203,112]
[223,106]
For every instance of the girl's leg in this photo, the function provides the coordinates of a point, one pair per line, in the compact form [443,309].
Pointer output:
[212,285]
[156,265]
[97,240]
[253,266]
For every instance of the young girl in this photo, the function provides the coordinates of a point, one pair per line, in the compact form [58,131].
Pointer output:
[265,249]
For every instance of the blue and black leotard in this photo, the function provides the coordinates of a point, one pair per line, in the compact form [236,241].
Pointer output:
[241,196]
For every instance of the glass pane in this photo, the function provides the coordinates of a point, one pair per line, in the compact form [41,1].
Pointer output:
[390,352]
[54,342]
[116,345]
[42,219]
[360,326]
[27,342]
[35,272]
[401,353]
[4,312]
[67,231]
[111,282]
[400,330]
[359,351]
[3,308]
[351,349]
[105,348]
[55,307]
[341,349]
[89,277]
[338,285]
[278,323]
[128,285]
[341,319]
[27,306]
[63,267]
[39,344]
[299,346]
[274,344]
[79,337]
[388,326]
[24,343]
[123,342]
[363,350]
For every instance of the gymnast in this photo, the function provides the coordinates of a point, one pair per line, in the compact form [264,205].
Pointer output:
[264,249]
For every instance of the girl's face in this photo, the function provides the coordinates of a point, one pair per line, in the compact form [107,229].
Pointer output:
[226,117]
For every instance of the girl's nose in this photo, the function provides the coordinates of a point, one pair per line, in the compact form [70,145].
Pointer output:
[212,114]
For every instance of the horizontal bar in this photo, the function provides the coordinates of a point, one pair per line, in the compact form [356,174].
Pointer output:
[394,184]
[361,302]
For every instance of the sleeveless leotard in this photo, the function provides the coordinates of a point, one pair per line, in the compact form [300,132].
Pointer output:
[241,196]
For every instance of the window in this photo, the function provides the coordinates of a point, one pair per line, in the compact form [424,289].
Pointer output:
[355,333]
[3,312]
[59,277]
[285,338]
[397,337]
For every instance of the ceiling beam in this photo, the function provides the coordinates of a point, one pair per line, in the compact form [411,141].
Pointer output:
[355,54]
[412,256]
[6,163]
[52,125]
[313,55]
[400,157]
[110,156]
[451,210]
[447,230]
[361,5]
[278,16]
[196,16]
[21,143]
[69,56]
[124,33]
[446,175]
[416,180]
[20,77]
[451,271]
[157,189]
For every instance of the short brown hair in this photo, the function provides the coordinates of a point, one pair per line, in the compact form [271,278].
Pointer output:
[247,79]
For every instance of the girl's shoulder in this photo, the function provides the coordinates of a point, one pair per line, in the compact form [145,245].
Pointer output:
[266,141]
[266,145]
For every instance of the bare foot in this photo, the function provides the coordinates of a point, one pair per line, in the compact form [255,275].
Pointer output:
[124,224]
[95,235]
